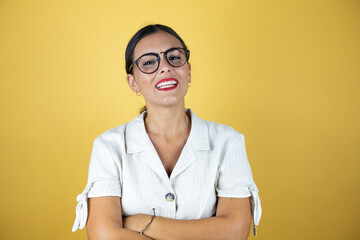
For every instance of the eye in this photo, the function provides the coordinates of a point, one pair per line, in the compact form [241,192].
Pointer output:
[174,57]
[147,63]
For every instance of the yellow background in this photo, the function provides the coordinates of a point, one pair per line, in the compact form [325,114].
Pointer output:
[284,73]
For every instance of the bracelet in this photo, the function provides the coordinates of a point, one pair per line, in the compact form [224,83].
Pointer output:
[153,217]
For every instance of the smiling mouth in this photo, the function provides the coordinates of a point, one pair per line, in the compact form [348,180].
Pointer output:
[167,84]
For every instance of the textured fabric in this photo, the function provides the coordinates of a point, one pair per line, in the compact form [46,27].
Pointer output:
[213,163]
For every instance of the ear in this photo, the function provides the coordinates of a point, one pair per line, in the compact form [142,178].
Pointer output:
[132,83]
[189,65]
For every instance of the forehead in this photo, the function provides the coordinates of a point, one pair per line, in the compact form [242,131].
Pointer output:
[156,42]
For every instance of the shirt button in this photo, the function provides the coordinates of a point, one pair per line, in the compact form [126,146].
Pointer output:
[169,197]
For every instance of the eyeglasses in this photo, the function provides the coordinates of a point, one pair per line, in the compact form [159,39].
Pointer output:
[150,62]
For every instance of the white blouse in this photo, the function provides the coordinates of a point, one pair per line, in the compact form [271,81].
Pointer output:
[213,163]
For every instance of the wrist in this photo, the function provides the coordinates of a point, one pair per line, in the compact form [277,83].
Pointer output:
[150,219]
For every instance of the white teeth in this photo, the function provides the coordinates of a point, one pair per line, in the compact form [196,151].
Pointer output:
[167,86]
[166,83]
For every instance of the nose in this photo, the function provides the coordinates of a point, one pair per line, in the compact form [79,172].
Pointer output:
[164,66]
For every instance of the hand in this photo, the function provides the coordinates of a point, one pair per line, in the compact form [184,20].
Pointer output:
[136,222]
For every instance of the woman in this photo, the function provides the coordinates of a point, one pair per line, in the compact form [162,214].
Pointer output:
[167,174]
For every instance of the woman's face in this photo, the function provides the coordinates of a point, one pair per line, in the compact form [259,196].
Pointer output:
[148,83]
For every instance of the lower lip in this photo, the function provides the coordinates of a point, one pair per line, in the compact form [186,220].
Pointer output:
[168,89]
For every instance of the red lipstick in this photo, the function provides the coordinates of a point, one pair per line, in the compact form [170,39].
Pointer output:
[167,84]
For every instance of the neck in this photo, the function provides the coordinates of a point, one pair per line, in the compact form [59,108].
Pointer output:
[167,122]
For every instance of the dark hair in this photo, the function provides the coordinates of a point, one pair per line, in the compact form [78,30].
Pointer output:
[143,32]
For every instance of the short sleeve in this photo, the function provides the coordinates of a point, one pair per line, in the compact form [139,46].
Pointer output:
[103,179]
[235,177]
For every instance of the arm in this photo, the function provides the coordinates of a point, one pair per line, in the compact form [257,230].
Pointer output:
[232,221]
[105,220]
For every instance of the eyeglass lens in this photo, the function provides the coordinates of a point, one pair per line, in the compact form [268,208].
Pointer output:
[149,63]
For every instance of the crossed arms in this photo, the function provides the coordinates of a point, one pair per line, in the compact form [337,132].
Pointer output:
[105,222]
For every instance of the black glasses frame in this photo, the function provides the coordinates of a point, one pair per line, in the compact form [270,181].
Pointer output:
[187,53]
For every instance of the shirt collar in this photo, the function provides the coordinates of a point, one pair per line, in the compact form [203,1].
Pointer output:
[135,133]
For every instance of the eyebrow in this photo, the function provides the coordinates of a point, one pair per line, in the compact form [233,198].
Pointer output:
[148,53]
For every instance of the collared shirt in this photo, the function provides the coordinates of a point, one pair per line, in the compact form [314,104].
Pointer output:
[213,163]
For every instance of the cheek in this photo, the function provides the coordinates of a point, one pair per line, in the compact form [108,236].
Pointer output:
[143,81]
[184,73]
